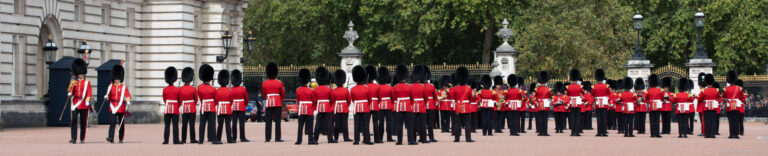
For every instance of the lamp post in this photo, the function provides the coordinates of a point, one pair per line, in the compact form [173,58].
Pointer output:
[49,50]
[249,40]
[698,20]
[83,51]
[226,38]
[638,25]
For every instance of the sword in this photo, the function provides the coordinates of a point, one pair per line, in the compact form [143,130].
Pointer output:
[65,107]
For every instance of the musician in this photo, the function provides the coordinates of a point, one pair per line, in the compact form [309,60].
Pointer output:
[523,110]
[543,99]
[119,97]
[641,111]
[430,93]
[617,106]
[602,93]
[629,101]
[666,107]
[359,94]
[340,99]
[473,103]
[223,101]
[188,98]
[322,98]
[499,109]
[274,92]
[403,108]
[575,94]
[655,97]
[740,115]
[710,97]
[170,99]
[373,101]
[734,99]
[587,107]
[446,103]
[239,103]
[684,101]
[531,105]
[514,98]
[386,103]
[462,95]
[80,92]
[306,107]
[559,101]
[206,94]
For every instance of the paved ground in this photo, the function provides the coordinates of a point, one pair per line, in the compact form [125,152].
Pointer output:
[145,139]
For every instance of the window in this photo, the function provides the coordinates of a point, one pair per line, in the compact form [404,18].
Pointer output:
[106,14]
[19,6]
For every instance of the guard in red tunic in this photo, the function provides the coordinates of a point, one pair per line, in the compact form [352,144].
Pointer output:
[401,93]
[655,97]
[487,102]
[666,107]
[524,110]
[684,101]
[223,101]
[188,100]
[386,104]
[430,93]
[206,94]
[322,99]
[462,95]
[500,108]
[617,106]
[629,101]
[733,97]
[543,100]
[710,97]
[340,99]
[514,98]
[641,111]
[586,109]
[602,93]
[419,103]
[360,105]
[80,92]
[740,115]
[274,92]
[575,94]
[700,104]
[170,111]
[560,101]
[119,97]
[474,104]
[239,96]
[373,99]
[306,107]
[447,113]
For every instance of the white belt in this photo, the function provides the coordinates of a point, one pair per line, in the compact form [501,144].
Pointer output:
[630,106]
[488,102]
[220,110]
[375,99]
[602,101]
[399,102]
[360,108]
[270,99]
[205,103]
[546,102]
[736,102]
[656,104]
[711,104]
[236,105]
[386,98]
[303,108]
[339,108]
[514,104]
[185,105]
[684,106]
[322,108]
[418,99]
[168,107]
[576,100]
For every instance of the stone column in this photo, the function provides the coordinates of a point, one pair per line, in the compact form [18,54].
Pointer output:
[506,55]
[696,66]
[639,68]
[350,55]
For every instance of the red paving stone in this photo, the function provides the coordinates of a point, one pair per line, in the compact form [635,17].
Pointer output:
[145,139]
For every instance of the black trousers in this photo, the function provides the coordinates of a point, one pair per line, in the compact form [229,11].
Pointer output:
[419,122]
[404,118]
[654,119]
[560,121]
[188,119]
[717,126]
[690,122]
[238,118]
[587,120]
[445,120]
[341,125]
[432,118]
[475,119]
[389,123]
[82,115]
[620,121]
[542,118]
[734,123]
[462,119]
[682,124]
[530,120]
[210,119]
[602,127]
[362,126]
[740,121]
[710,120]
[305,125]
[225,124]
[169,120]
[116,119]
[640,122]
[273,114]
[500,117]
[628,124]
[378,125]
[666,122]
[513,121]
[487,120]
[574,120]
[323,124]
[611,116]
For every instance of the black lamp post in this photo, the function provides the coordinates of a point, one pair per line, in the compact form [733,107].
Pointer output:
[638,25]
[249,41]
[698,19]
[83,51]
[226,39]
[49,49]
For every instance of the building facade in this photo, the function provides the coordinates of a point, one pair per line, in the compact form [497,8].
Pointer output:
[149,34]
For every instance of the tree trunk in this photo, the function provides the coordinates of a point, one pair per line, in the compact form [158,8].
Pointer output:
[487,41]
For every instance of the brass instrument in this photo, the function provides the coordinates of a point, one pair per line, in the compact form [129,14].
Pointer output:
[500,102]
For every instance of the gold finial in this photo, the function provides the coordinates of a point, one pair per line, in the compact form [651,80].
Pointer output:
[699,9]
[249,32]
[226,28]
[50,37]
[83,40]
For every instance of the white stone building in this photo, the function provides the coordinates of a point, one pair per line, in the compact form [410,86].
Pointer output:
[150,34]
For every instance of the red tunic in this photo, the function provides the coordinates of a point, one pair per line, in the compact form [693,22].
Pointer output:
[419,103]
[431,93]
[373,96]
[322,99]
[188,99]
[81,94]
[223,101]
[575,95]
[474,103]
[118,94]
[710,98]
[589,102]
[615,99]
[488,98]
[500,98]
[205,94]
[462,94]
[239,96]
[531,103]
[602,94]
[304,100]
[359,95]
[402,96]
[563,107]
[655,98]
[340,99]
[543,98]
[514,98]
[274,92]
[684,103]
[643,106]
[734,98]
[667,106]
[385,97]
[170,99]
[628,102]
[446,102]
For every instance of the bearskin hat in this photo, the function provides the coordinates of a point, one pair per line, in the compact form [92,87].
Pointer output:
[79,67]
[702,82]
[304,76]
[611,84]
[739,83]
[322,76]
[653,80]
[666,82]
[462,75]
[690,84]
[731,77]
[118,73]
[170,74]
[223,78]
[520,81]
[587,86]
[628,83]
[599,75]
[575,75]
[485,81]
[512,80]
[559,87]
[427,73]
[639,84]
[206,73]
[543,77]
[237,77]
[401,73]
[498,80]
[339,77]
[716,85]
[709,79]
[619,84]
[417,75]
[272,70]
[187,75]
[682,85]
[372,75]
[359,75]
[384,77]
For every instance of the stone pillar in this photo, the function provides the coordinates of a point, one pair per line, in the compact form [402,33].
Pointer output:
[639,68]
[350,55]
[506,55]
[696,66]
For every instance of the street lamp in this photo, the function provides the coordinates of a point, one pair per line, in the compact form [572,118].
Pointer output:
[49,50]
[638,25]
[249,40]
[698,19]
[83,51]
[226,38]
